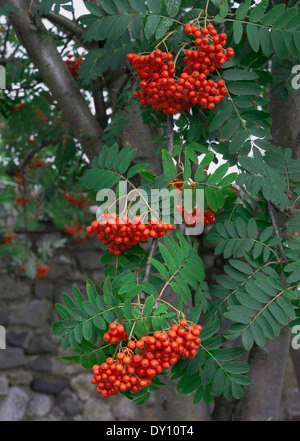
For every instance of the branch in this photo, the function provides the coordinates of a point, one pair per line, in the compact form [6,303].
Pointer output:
[28,157]
[100,105]
[170,133]
[68,25]
[148,264]
[275,227]
[151,255]
[42,49]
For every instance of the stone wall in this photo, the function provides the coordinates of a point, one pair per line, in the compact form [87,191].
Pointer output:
[35,384]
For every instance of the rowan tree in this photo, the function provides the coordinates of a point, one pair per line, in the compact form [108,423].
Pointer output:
[178,97]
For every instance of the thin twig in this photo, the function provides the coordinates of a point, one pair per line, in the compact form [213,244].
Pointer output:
[28,157]
[170,134]
[151,255]
[148,265]
[275,227]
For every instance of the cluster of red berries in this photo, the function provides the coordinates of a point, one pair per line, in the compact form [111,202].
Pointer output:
[19,107]
[140,361]
[73,65]
[78,200]
[121,233]
[115,333]
[22,200]
[196,215]
[162,91]
[8,238]
[40,116]
[37,163]
[41,271]
[19,178]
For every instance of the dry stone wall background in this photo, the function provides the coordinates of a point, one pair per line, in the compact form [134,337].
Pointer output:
[35,384]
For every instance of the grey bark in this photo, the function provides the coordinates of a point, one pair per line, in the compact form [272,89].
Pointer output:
[268,365]
[41,48]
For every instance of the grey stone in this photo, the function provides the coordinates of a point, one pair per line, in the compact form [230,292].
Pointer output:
[19,376]
[13,289]
[11,357]
[13,407]
[3,318]
[14,338]
[4,387]
[40,364]
[43,290]
[39,345]
[123,409]
[68,403]
[57,271]
[33,313]
[81,384]
[96,410]
[40,406]
[89,260]
[46,386]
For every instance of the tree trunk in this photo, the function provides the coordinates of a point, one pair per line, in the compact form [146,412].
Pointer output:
[42,50]
[262,399]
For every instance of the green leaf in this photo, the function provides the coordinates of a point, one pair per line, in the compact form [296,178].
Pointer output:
[87,330]
[148,307]
[236,367]
[78,314]
[62,311]
[253,36]
[126,161]
[258,334]
[252,229]
[210,329]
[95,179]
[218,382]
[244,88]
[139,329]
[119,27]
[123,6]
[209,371]
[273,14]
[109,7]
[247,339]
[139,5]
[160,268]
[278,43]
[237,31]
[136,169]
[94,9]
[91,291]
[136,26]
[239,74]
[241,266]
[266,234]
[173,7]
[127,310]
[258,11]
[154,6]
[265,41]
[99,322]
[152,23]
[169,167]
[222,115]
[243,9]
[89,308]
